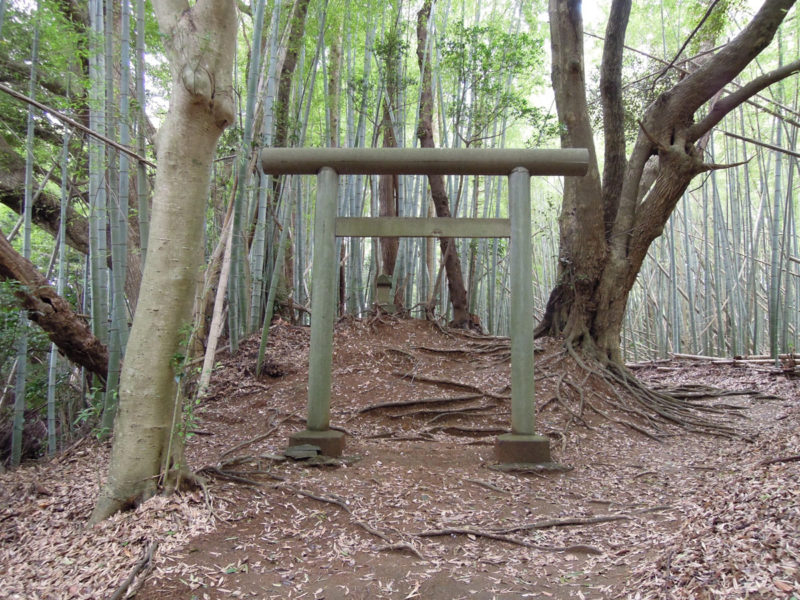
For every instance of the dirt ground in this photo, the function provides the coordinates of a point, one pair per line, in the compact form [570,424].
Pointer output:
[417,507]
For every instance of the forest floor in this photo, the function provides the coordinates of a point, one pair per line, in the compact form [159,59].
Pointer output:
[417,508]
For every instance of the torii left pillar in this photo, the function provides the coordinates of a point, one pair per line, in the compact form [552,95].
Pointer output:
[323,312]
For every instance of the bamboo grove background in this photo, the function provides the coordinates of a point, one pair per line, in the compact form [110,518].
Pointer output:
[722,280]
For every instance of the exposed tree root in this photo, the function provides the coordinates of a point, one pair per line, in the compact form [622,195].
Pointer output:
[655,407]
[475,533]
[404,353]
[440,413]
[477,431]
[401,403]
[450,382]
[465,412]
[499,349]
[219,473]
[565,522]
[343,505]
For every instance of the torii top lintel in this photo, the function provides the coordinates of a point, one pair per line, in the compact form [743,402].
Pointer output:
[424,161]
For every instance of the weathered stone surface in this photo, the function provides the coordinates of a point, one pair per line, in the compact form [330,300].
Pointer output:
[330,442]
[525,449]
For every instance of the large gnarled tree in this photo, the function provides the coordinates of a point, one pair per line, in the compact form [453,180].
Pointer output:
[200,40]
[608,221]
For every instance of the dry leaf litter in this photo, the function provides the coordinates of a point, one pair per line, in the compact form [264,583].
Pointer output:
[415,510]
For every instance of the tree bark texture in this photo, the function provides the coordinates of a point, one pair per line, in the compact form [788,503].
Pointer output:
[387,184]
[606,227]
[52,313]
[200,41]
[283,116]
[452,262]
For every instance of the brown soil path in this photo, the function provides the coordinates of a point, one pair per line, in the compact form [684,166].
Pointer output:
[416,510]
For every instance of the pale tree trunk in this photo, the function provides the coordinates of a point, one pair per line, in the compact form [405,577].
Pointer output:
[607,227]
[200,43]
[452,263]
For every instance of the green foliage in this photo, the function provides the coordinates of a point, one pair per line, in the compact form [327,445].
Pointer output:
[92,412]
[38,343]
[490,74]
[710,33]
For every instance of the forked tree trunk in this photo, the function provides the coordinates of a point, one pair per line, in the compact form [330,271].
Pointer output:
[452,263]
[607,227]
[200,42]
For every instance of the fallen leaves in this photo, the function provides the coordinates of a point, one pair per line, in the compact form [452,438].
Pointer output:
[601,530]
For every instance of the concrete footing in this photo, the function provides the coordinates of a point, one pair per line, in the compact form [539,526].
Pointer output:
[517,448]
[329,441]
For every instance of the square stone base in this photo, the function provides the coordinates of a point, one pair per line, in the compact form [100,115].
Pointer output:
[330,441]
[526,449]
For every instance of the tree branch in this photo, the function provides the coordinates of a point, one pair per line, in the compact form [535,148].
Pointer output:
[685,43]
[699,87]
[720,167]
[62,117]
[613,112]
[52,312]
[46,210]
[763,144]
[734,99]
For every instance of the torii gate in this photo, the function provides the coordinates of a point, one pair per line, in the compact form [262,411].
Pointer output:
[522,444]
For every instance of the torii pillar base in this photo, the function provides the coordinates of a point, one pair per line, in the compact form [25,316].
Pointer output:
[519,448]
[329,441]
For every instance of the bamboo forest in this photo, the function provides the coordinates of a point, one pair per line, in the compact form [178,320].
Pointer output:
[551,352]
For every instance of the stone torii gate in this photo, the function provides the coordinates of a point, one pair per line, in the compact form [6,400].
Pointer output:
[522,444]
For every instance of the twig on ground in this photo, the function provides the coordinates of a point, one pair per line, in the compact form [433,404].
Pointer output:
[488,485]
[783,459]
[400,547]
[341,504]
[214,471]
[257,438]
[145,565]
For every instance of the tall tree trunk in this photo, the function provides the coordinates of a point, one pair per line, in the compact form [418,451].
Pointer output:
[387,183]
[334,108]
[200,42]
[452,263]
[606,228]
[282,109]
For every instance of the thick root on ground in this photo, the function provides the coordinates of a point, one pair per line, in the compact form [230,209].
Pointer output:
[650,408]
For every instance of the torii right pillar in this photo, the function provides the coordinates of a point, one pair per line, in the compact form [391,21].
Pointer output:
[522,445]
